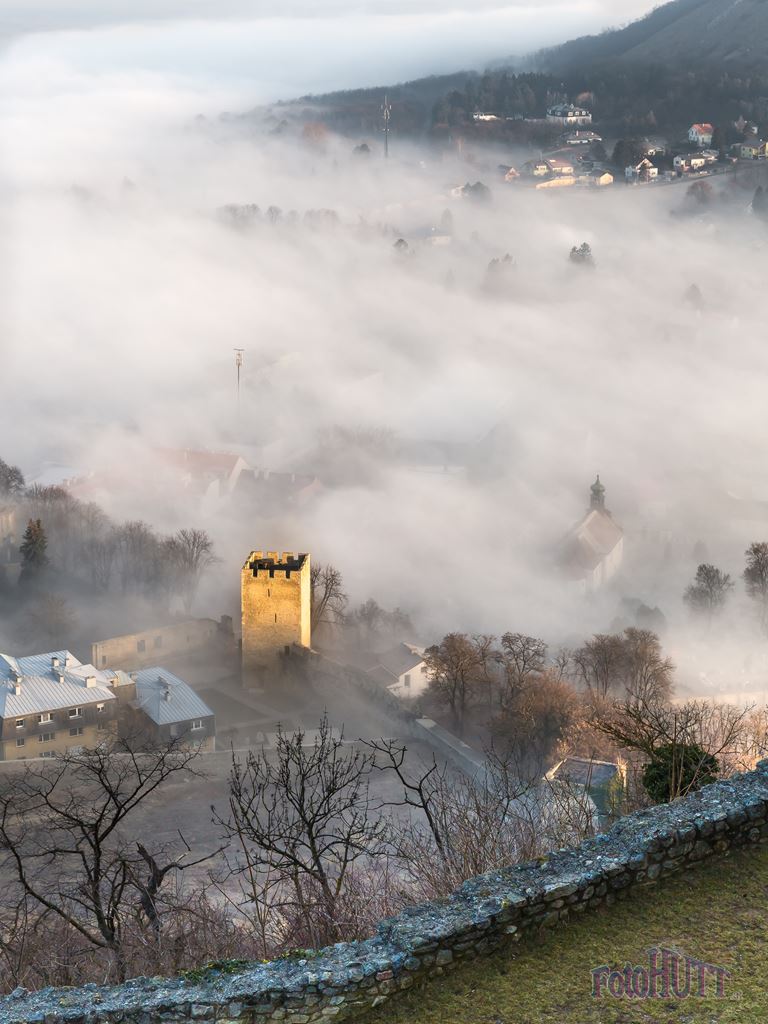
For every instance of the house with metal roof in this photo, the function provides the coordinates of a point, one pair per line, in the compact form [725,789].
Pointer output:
[402,670]
[166,708]
[51,704]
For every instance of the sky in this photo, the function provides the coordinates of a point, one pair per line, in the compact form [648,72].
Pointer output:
[273,50]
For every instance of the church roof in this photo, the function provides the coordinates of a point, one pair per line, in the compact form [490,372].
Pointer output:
[591,541]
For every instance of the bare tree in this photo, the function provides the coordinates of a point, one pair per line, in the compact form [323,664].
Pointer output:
[328,597]
[63,835]
[305,812]
[599,663]
[192,551]
[756,577]
[458,668]
[522,657]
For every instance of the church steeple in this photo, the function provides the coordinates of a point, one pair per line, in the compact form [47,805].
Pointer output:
[597,495]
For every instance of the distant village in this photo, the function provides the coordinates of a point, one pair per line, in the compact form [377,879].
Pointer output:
[580,158]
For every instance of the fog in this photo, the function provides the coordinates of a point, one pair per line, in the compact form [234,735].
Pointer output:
[125,293]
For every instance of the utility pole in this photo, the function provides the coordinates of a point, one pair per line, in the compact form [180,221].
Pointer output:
[239,365]
[386,114]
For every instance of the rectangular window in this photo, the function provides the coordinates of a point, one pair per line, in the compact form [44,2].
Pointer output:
[46,737]
[75,712]
[77,731]
[158,641]
[101,726]
[407,680]
[103,660]
[45,717]
[20,742]
[47,753]
[20,723]
[197,724]
[141,646]
[99,709]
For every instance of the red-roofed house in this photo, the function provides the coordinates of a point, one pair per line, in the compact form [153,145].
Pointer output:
[701,134]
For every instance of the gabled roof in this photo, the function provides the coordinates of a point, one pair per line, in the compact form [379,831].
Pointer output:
[45,688]
[590,541]
[396,662]
[182,703]
[705,128]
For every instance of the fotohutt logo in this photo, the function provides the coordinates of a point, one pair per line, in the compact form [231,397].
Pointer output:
[670,974]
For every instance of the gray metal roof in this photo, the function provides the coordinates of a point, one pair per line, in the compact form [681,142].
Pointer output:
[45,688]
[183,704]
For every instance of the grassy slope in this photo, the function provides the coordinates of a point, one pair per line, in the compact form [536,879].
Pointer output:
[719,913]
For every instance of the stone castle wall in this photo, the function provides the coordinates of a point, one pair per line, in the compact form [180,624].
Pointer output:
[343,981]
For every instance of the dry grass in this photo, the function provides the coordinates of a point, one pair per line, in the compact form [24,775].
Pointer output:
[718,913]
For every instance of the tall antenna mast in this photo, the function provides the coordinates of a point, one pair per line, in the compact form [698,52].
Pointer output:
[386,114]
[239,365]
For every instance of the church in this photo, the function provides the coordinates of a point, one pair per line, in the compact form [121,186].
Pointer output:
[592,552]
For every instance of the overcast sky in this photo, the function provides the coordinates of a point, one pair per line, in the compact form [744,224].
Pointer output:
[269,50]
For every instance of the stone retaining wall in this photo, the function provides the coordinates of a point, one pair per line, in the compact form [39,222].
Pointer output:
[343,981]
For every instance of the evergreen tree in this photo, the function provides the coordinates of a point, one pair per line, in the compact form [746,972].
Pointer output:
[33,548]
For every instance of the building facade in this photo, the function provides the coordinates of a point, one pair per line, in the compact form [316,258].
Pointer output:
[276,604]
[569,116]
[141,650]
[52,704]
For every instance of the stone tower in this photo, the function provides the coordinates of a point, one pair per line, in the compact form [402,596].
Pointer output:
[276,601]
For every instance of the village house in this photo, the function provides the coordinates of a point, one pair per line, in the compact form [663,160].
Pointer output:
[579,138]
[754,149]
[536,169]
[166,709]
[402,670]
[592,552]
[52,704]
[599,178]
[559,166]
[645,171]
[701,135]
[686,163]
[569,116]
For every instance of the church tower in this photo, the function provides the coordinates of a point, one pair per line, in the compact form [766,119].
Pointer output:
[276,603]
[597,496]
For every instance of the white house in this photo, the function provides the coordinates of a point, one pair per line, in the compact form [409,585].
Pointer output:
[644,171]
[402,670]
[701,134]
[689,162]
[569,116]
[592,552]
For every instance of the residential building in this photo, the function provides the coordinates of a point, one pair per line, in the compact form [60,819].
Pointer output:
[486,117]
[753,149]
[537,169]
[645,171]
[569,116]
[581,138]
[276,607]
[402,670]
[688,162]
[167,709]
[701,135]
[559,166]
[51,703]
[592,552]
[599,178]
[557,181]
